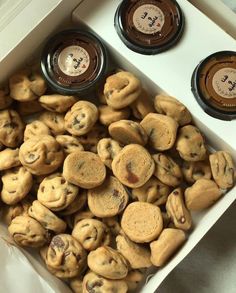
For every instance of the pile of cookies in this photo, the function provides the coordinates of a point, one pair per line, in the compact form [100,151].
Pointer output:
[103,191]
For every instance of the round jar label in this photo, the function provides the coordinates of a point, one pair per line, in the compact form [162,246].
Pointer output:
[148,19]
[73,60]
[224,82]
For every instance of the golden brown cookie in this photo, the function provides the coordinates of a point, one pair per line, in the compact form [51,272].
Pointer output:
[76,285]
[113,224]
[108,115]
[9,158]
[80,119]
[222,167]
[77,204]
[46,218]
[133,165]
[41,155]
[108,263]
[166,245]
[54,121]
[172,107]
[142,222]
[107,149]
[133,279]
[28,232]
[161,131]
[92,282]
[177,210]
[153,191]
[137,255]
[193,171]
[28,108]
[142,106]
[86,214]
[167,170]
[84,169]
[17,183]
[57,103]
[202,194]
[127,132]
[108,199]
[190,144]
[5,99]
[35,129]
[69,144]
[26,85]
[11,128]
[91,234]
[56,193]
[66,258]
[121,89]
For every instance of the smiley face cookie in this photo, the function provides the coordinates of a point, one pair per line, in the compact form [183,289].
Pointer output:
[107,149]
[54,121]
[69,144]
[36,129]
[133,165]
[57,103]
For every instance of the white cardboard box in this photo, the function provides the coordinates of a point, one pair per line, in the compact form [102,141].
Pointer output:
[169,72]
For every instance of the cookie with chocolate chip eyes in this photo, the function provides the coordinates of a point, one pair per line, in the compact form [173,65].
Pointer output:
[107,149]
[17,183]
[108,199]
[108,115]
[66,258]
[81,118]
[28,232]
[108,263]
[190,144]
[5,99]
[91,234]
[56,193]
[69,144]
[92,282]
[11,128]
[121,89]
[57,103]
[54,121]
[35,129]
[9,158]
[41,155]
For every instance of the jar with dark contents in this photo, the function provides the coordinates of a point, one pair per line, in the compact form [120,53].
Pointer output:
[149,26]
[74,62]
[214,85]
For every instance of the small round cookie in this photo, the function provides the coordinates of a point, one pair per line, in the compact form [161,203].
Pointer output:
[161,131]
[166,245]
[87,214]
[66,258]
[5,99]
[108,115]
[17,183]
[11,128]
[137,255]
[133,165]
[29,108]
[41,155]
[133,279]
[107,149]
[26,231]
[177,210]
[193,171]
[77,204]
[108,199]
[95,283]
[127,132]
[56,193]
[142,106]
[35,129]
[91,234]
[57,103]
[54,121]
[26,85]
[9,158]
[190,144]
[222,167]
[81,118]
[11,212]
[202,194]
[172,107]
[108,262]
[142,222]
[76,285]
[121,89]
[113,224]
[153,191]
[84,169]
[46,218]
[69,144]
[167,171]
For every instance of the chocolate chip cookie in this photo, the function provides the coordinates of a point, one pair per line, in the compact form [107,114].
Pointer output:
[9,158]
[107,149]
[77,204]
[36,129]
[54,121]
[69,144]
[108,115]
[133,279]
[57,103]
[142,106]
[193,171]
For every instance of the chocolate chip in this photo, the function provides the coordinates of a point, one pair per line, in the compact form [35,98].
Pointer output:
[57,242]
[42,188]
[115,192]
[90,287]
[10,125]
[193,155]
[63,181]
[182,220]
[175,192]
[131,177]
